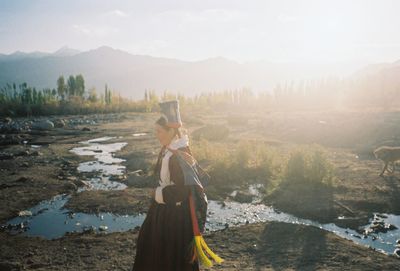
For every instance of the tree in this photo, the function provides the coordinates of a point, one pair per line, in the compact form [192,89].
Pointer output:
[79,85]
[61,87]
[107,95]
[71,85]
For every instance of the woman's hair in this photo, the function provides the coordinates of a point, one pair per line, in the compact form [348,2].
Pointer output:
[162,121]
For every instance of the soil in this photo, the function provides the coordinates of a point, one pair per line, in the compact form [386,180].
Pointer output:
[260,246]
[36,173]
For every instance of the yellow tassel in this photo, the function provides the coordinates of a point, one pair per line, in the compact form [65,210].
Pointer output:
[209,252]
[200,244]
[200,253]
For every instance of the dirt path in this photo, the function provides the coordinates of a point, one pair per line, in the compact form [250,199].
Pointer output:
[261,246]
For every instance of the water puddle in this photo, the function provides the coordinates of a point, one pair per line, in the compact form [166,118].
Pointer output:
[253,191]
[139,134]
[51,212]
[99,139]
[220,215]
[105,164]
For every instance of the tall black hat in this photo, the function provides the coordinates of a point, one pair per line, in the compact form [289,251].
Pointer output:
[171,111]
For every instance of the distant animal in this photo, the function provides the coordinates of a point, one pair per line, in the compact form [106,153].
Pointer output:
[389,155]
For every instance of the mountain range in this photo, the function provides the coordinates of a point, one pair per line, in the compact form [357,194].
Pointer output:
[131,74]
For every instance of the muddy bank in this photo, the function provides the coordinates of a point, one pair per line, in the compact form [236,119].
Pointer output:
[128,201]
[36,164]
[281,246]
[350,201]
[260,246]
[27,180]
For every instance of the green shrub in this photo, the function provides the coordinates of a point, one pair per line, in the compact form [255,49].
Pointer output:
[248,162]
[308,165]
[211,132]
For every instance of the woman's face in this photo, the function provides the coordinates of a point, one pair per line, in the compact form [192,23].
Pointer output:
[163,135]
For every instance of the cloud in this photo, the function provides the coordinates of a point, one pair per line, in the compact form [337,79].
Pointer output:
[201,16]
[95,31]
[118,13]
[286,18]
[377,45]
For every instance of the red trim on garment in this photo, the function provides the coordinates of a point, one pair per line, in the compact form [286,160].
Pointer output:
[195,224]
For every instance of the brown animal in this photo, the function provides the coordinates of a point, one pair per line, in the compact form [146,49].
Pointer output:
[387,155]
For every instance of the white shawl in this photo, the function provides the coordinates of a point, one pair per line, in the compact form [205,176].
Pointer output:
[164,171]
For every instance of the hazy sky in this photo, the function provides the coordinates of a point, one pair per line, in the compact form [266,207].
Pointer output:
[192,30]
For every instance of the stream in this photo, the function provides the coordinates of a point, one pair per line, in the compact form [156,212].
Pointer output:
[50,219]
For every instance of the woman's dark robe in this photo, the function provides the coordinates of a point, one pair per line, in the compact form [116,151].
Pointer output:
[166,233]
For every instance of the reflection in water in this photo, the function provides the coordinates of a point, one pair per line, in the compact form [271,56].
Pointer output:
[50,220]
[105,164]
[234,213]
[139,134]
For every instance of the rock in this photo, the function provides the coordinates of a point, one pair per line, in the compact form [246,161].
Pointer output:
[390,227]
[138,172]
[36,153]
[397,252]
[6,120]
[23,153]
[59,123]
[72,178]
[117,178]
[70,186]
[85,129]
[80,183]
[22,179]
[103,228]
[43,125]
[9,140]
[6,156]
[24,213]
[90,229]
[243,197]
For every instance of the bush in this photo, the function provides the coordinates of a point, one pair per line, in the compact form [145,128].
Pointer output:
[308,165]
[229,167]
[212,132]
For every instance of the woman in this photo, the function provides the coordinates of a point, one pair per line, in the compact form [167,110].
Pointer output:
[164,241]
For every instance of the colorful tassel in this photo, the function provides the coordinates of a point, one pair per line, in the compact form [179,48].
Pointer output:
[214,256]
[200,243]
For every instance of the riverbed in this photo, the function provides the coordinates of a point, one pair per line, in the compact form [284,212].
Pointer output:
[50,219]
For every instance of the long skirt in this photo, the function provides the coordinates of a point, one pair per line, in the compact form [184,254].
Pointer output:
[165,238]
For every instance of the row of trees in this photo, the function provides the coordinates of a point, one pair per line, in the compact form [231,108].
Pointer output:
[70,96]
[75,86]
